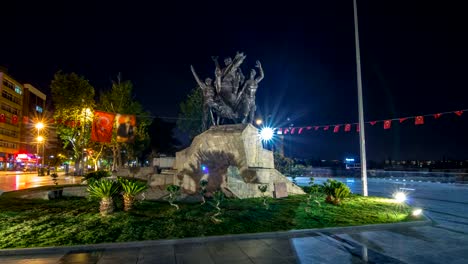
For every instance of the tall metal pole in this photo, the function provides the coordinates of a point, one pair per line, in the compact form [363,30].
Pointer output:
[362,138]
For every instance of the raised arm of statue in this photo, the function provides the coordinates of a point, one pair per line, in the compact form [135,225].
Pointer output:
[218,74]
[200,83]
[215,59]
[260,74]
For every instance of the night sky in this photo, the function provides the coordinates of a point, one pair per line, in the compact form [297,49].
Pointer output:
[414,61]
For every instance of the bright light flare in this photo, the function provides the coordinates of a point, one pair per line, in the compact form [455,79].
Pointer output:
[40,125]
[417,212]
[266,133]
[40,139]
[258,122]
[399,197]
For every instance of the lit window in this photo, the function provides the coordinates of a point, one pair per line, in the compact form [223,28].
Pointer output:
[38,109]
[18,90]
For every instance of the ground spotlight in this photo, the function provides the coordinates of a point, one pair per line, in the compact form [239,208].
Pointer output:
[266,133]
[399,197]
[417,212]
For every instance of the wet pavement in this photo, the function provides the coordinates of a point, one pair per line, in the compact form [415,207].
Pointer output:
[12,180]
[444,241]
[423,244]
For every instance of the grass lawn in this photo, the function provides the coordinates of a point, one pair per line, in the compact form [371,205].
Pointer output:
[73,221]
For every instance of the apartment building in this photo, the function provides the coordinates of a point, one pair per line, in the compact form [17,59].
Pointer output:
[11,107]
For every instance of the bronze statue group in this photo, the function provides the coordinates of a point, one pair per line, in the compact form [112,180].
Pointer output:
[230,96]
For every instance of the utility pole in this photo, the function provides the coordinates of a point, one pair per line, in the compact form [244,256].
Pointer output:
[362,138]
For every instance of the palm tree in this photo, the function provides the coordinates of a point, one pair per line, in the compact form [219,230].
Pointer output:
[130,190]
[105,190]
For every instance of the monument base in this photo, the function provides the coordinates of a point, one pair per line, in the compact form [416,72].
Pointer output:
[232,159]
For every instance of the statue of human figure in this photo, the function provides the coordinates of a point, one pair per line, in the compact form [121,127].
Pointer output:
[230,79]
[209,103]
[246,96]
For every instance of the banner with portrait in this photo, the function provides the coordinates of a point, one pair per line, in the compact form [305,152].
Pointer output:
[126,125]
[103,124]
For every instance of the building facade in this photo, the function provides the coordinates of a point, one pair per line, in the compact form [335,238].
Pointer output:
[11,112]
[21,107]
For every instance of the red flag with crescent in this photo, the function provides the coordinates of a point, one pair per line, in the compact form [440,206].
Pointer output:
[347,127]
[419,120]
[387,124]
[102,126]
[336,129]
[458,113]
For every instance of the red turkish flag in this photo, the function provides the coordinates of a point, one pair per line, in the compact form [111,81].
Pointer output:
[347,127]
[336,129]
[300,130]
[309,128]
[373,122]
[358,129]
[316,128]
[25,119]
[286,130]
[2,118]
[403,119]
[458,113]
[436,116]
[419,120]
[387,124]
[102,126]
[292,130]
[325,128]
[14,119]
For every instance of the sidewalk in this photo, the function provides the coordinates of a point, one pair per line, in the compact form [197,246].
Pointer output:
[400,243]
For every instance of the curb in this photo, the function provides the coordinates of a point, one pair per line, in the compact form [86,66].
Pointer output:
[198,240]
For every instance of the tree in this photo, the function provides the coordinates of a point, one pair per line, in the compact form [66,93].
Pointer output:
[73,98]
[120,100]
[191,114]
[282,164]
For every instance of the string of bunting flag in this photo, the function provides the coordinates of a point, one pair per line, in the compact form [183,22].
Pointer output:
[347,127]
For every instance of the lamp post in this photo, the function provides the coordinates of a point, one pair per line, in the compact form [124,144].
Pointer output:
[39,138]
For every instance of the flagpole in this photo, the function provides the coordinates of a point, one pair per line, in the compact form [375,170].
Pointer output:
[362,140]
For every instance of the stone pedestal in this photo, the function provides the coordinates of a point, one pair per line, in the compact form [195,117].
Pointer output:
[231,158]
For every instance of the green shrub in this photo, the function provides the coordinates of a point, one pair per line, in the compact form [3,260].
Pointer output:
[105,190]
[174,193]
[218,198]
[335,191]
[263,188]
[131,188]
[94,176]
[203,185]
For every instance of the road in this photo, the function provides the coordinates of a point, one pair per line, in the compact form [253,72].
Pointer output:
[11,181]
